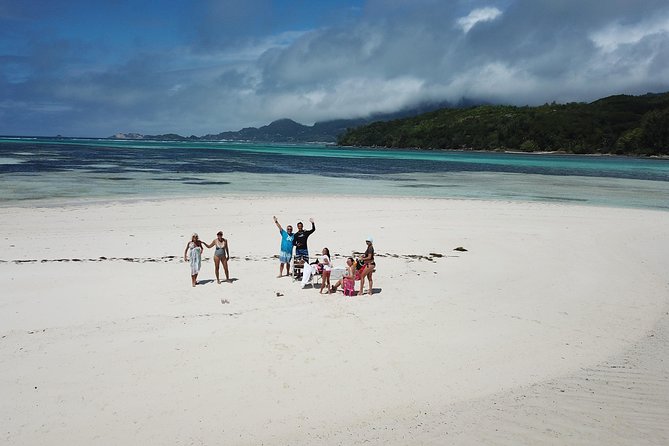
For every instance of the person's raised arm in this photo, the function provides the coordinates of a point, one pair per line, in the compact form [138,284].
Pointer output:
[313,225]
[276,222]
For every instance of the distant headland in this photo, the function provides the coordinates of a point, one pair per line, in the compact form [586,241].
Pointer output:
[621,124]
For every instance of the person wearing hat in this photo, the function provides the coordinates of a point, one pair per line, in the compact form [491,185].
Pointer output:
[367,261]
[221,255]
[193,253]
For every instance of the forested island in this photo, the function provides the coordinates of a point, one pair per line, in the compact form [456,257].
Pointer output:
[625,125]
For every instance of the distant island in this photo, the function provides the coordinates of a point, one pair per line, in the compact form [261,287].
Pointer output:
[289,131]
[624,125]
[282,130]
[621,124]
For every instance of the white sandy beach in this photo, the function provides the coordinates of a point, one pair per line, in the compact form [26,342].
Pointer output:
[552,328]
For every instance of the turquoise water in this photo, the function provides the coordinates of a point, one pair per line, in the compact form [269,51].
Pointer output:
[47,169]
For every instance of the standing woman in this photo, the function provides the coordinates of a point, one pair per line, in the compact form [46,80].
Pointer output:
[369,265]
[327,267]
[221,255]
[194,253]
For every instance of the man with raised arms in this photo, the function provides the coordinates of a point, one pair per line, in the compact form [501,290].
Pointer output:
[286,254]
[300,241]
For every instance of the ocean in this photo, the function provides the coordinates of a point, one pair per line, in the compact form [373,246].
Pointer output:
[38,170]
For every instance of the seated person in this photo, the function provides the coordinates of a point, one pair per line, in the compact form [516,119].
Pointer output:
[349,275]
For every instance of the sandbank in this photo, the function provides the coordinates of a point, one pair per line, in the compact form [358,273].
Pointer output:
[551,328]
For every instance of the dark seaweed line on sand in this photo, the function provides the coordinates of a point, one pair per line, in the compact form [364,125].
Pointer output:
[164,259]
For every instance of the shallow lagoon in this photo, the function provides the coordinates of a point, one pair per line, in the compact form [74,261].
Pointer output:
[45,169]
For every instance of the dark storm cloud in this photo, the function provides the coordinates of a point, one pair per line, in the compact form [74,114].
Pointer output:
[527,52]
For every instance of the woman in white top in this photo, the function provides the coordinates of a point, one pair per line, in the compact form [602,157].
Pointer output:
[321,265]
[327,267]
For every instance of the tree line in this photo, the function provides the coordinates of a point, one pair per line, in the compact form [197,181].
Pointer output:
[622,124]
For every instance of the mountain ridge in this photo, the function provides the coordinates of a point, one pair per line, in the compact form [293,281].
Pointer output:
[287,130]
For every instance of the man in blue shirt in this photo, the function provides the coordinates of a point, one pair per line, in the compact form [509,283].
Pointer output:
[286,253]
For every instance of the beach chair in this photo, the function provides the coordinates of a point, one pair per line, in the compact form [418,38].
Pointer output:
[298,268]
[313,272]
[316,277]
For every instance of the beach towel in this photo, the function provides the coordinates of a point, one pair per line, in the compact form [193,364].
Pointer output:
[348,285]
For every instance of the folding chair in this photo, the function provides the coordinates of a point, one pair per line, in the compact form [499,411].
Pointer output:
[313,272]
[298,268]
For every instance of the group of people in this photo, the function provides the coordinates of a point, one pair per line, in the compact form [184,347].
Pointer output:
[356,269]
[193,255]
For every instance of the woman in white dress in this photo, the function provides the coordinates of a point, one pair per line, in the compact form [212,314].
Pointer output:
[193,253]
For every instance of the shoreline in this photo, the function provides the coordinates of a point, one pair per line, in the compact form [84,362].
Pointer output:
[255,195]
[117,350]
[327,144]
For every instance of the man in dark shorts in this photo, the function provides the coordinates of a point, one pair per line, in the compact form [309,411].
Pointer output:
[300,240]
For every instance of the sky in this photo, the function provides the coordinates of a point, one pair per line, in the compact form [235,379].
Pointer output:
[93,68]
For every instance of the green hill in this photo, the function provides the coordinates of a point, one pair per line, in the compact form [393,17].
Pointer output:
[636,125]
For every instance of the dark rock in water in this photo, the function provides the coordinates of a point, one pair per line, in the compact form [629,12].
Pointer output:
[436,254]
[279,294]
[460,248]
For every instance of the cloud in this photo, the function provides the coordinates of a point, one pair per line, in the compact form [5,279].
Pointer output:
[228,65]
[612,36]
[478,16]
